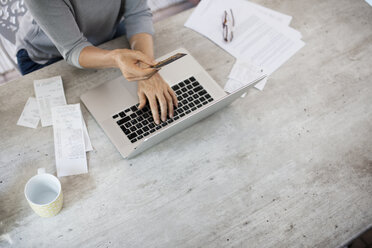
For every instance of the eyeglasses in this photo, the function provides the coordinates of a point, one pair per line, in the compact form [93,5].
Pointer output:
[228,24]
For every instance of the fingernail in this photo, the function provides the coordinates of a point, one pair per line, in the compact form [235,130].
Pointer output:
[171,115]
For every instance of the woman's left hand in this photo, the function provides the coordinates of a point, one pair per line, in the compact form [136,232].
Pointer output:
[156,90]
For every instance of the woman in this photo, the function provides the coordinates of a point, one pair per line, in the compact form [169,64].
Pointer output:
[73,28]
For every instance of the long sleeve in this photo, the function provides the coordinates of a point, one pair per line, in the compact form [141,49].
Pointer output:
[56,19]
[137,18]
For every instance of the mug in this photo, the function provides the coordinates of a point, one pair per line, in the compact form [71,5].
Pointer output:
[44,194]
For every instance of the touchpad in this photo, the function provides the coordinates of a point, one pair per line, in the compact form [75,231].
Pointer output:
[110,98]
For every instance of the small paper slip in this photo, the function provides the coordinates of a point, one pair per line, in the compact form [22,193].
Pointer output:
[69,142]
[49,93]
[243,73]
[30,114]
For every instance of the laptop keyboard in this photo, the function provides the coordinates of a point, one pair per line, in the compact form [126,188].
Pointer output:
[137,124]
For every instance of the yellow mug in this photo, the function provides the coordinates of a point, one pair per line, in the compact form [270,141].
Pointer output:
[44,194]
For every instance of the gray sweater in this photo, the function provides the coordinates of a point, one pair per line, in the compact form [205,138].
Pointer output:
[55,28]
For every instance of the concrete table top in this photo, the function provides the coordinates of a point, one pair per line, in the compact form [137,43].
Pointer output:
[287,167]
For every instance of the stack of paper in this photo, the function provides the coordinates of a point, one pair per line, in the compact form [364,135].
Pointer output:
[262,37]
[71,139]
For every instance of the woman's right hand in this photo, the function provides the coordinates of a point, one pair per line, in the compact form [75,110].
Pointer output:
[134,65]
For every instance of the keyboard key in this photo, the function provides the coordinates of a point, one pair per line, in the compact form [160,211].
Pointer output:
[132,136]
[195,84]
[145,122]
[210,99]
[175,87]
[203,92]
[115,116]
[188,112]
[137,105]
[133,115]
[139,132]
[151,125]
[196,101]
[139,125]
[184,101]
[205,102]
[133,128]
[192,79]
[193,109]
[190,92]
[120,122]
[178,92]
[191,104]
[182,84]
[202,99]
[190,99]
[199,105]
[207,96]
[127,110]
[146,129]
[133,108]
[128,124]
[189,87]
[187,82]
[122,114]
[152,130]
[183,89]
[134,122]
[139,137]
[164,124]
[199,88]
[145,134]
[182,114]
[157,128]
[186,107]
[179,98]
[133,140]
[146,115]
[176,117]
[146,109]
[195,96]
[184,95]
[140,118]
[170,120]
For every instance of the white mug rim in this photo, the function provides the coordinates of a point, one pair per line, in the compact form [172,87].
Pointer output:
[48,175]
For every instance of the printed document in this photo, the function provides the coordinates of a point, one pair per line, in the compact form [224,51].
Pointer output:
[69,142]
[30,115]
[49,93]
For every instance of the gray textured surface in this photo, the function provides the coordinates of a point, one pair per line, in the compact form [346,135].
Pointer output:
[287,167]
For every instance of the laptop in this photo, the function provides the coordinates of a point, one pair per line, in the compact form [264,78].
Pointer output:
[114,105]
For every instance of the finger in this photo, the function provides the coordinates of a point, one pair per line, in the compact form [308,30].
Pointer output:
[154,109]
[144,58]
[174,96]
[163,106]
[142,100]
[170,104]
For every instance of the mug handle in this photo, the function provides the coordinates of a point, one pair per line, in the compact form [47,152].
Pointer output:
[41,171]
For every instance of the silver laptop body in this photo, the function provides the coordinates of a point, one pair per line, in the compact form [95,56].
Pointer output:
[113,105]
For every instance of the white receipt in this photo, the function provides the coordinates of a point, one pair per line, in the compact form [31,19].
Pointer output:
[30,114]
[49,93]
[69,142]
[243,73]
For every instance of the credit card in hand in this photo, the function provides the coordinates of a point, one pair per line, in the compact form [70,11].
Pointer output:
[169,60]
